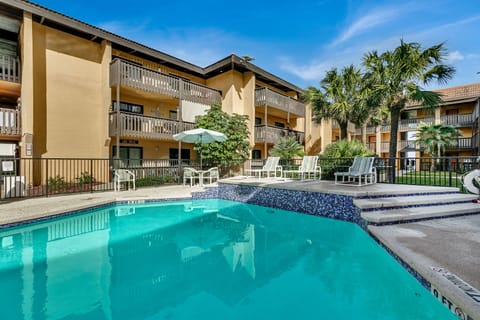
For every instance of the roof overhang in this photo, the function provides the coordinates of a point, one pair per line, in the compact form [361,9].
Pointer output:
[65,23]
[446,103]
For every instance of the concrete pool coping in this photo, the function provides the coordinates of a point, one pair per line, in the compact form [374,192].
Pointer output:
[404,240]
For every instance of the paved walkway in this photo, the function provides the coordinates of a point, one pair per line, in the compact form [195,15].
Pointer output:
[30,209]
[442,250]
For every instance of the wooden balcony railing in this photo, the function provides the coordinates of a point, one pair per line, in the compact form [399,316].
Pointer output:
[462,143]
[138,126]
[267,97]
[413,124]
[350,126]
[273,134]
[412,145]
[144,79]
[9,68]
[10,122]
[464,119]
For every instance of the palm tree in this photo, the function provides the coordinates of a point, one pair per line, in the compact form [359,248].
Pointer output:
[287,148]
[341,98]
[435,138]
[397,77]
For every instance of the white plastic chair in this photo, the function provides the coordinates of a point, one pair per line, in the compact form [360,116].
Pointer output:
[308,169]
[361,169]
[123,175]
[211,174]
[271,166]
[190,174]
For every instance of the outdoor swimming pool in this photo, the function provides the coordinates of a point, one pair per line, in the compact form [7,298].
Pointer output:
[203,259]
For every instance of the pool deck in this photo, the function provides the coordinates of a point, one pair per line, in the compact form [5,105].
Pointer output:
[432,247]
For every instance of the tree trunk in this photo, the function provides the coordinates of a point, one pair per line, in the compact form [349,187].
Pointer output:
[364,134]
[343,130]
[392,151]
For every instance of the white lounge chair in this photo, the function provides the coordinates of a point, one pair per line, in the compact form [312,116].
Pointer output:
[211,175]
[271,167]
[361,169]
[190,174]
[123,175]
[308,169]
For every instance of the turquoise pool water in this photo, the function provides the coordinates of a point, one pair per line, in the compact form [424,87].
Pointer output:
[205,259]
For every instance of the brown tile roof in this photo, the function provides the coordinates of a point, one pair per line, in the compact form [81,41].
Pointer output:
[460,93]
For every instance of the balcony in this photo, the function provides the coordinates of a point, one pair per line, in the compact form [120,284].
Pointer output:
[137,77]
[413,124]
[350,126]
[462,144]
[144,127]
[10,122]
[458,120]
[272,135]
[266,97]
[9,69]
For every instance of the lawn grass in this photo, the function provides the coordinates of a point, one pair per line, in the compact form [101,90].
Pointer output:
[437,178]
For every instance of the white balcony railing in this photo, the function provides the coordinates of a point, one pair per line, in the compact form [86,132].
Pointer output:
[144,79]
[267,97]
[9,68]
[273,134]
[10,122]
[138,126]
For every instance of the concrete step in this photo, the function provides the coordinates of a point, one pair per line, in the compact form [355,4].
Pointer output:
[420,213]
[406,201]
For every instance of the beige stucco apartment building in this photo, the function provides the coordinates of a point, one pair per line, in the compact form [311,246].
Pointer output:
[62,80]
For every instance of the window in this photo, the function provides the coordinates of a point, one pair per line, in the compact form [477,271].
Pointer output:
[128,107]
[172,115]
[258,121]
[279,125]
[129,156]
[256,154]
[173,154]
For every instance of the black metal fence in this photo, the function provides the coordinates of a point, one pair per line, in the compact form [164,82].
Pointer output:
[27,177]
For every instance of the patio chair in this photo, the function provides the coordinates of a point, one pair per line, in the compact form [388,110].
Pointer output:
[123,175]
[271,166]
[308,169]
[190,174]
[361,169]
[211,175]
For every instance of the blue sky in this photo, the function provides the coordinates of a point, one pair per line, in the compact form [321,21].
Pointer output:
[295,40]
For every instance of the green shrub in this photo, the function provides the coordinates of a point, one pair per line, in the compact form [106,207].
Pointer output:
[340,154]
[154,181]
[85,178]
[56,183]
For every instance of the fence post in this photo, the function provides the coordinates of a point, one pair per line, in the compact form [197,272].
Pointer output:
[91,175]
[449,172]
[46,176]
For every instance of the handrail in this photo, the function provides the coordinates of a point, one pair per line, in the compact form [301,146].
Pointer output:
[9,68]
[267,97]
[10,121]
[140,126]
[457,119]
[269,134]
[142,78]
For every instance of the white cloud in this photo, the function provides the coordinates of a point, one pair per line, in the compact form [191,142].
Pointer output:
[454,56]
[372,19]
[314,70]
